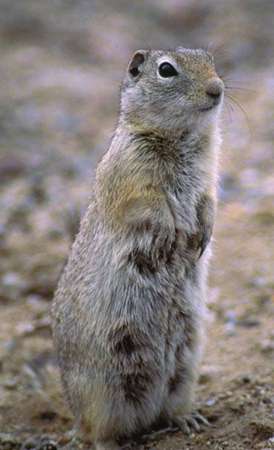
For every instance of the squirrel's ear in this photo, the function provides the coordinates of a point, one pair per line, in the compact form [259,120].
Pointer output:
[136,63]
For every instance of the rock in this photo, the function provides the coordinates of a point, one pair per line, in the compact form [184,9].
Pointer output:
[267,346]
[29,444]
[230,322]
[207,374]
[9,442]
[230,329]
[10,383]
[248,322]
[211,401]
[257,282]
[50,445]
[246,379]
[13,279]
[12,166]
[40,443]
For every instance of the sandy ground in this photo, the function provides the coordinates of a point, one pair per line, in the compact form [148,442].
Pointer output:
[61,64]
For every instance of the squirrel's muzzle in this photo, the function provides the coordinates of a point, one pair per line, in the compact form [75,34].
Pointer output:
[215,89]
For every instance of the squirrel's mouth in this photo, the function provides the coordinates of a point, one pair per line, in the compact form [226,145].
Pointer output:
[215,102]
[208,107]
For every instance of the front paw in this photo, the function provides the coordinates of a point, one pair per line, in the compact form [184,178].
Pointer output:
[163,244]
[204,238]
[205,216]
[199,241]
[153,251]
[192,421]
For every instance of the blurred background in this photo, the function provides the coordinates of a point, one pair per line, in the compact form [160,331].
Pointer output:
[62,62]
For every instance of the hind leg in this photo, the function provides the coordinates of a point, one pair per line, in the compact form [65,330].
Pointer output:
[190,421]
[182,413]
[179,409]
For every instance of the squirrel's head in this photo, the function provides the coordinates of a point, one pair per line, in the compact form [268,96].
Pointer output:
[171,89]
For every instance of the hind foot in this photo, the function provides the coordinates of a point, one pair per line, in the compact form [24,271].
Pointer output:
[193,421]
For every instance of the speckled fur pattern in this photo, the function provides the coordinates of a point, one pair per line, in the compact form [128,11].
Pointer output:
[128,314]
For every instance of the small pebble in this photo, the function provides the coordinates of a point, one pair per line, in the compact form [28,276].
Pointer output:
[211,402]
[29,444]
[267,346]
[10,384]
[9,442]
[230,329]
[246,379]
[48,444]
[249,322]
[12,279]
[230,316]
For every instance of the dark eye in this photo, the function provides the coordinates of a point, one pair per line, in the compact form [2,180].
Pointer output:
[167,70]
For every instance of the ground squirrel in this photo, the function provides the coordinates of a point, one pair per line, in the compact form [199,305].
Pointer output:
[129,309]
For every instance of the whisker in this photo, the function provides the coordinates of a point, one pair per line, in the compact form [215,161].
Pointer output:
[240,88]
[227,108]
[233,99]
[241,108]
[234,81]
[231,84]
[231,106]
[231,79]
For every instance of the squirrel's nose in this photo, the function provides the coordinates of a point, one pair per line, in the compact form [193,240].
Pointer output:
[215,88]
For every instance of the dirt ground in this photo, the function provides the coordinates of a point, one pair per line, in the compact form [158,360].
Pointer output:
[61,65]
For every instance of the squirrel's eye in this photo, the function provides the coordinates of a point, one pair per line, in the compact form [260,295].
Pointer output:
[167,70]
